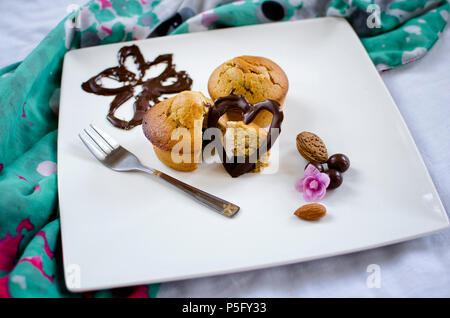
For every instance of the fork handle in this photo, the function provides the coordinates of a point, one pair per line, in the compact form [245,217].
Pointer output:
[217,204]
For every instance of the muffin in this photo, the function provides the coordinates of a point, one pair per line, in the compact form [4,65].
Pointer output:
[256,78]
[243,140]
[177,149]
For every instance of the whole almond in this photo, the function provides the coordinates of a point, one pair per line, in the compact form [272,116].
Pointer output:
[311,147]
[311,211]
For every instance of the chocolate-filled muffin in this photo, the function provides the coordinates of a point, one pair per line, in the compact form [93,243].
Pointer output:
[256,78]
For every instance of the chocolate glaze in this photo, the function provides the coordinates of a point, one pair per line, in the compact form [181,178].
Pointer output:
[238,166]
[152,88]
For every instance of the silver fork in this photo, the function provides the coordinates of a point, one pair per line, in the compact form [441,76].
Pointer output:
[117,158]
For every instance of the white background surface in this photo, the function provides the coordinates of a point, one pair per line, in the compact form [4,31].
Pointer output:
[418,268]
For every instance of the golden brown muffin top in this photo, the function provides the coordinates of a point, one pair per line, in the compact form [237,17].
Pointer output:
[185,110]
[257,78]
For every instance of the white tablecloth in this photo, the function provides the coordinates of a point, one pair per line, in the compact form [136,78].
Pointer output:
[418,268]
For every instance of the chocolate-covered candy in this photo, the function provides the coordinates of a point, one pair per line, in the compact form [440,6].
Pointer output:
[338,162]
[335,178]
[317,165]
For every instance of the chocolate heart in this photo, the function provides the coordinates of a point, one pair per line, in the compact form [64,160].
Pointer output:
[238,165]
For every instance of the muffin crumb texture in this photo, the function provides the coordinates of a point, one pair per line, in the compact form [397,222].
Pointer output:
[244,140]
[186,110]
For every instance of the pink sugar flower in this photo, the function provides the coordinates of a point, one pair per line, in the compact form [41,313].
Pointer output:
[313,185]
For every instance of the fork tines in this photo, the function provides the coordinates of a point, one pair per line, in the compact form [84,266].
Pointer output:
[99,143]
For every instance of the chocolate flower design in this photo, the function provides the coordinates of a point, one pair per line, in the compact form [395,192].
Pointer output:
[152,88]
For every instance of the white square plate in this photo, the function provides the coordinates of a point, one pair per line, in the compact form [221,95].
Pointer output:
[123,229]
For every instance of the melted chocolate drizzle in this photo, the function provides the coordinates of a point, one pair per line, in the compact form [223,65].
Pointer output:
[237,166]
[152,88]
